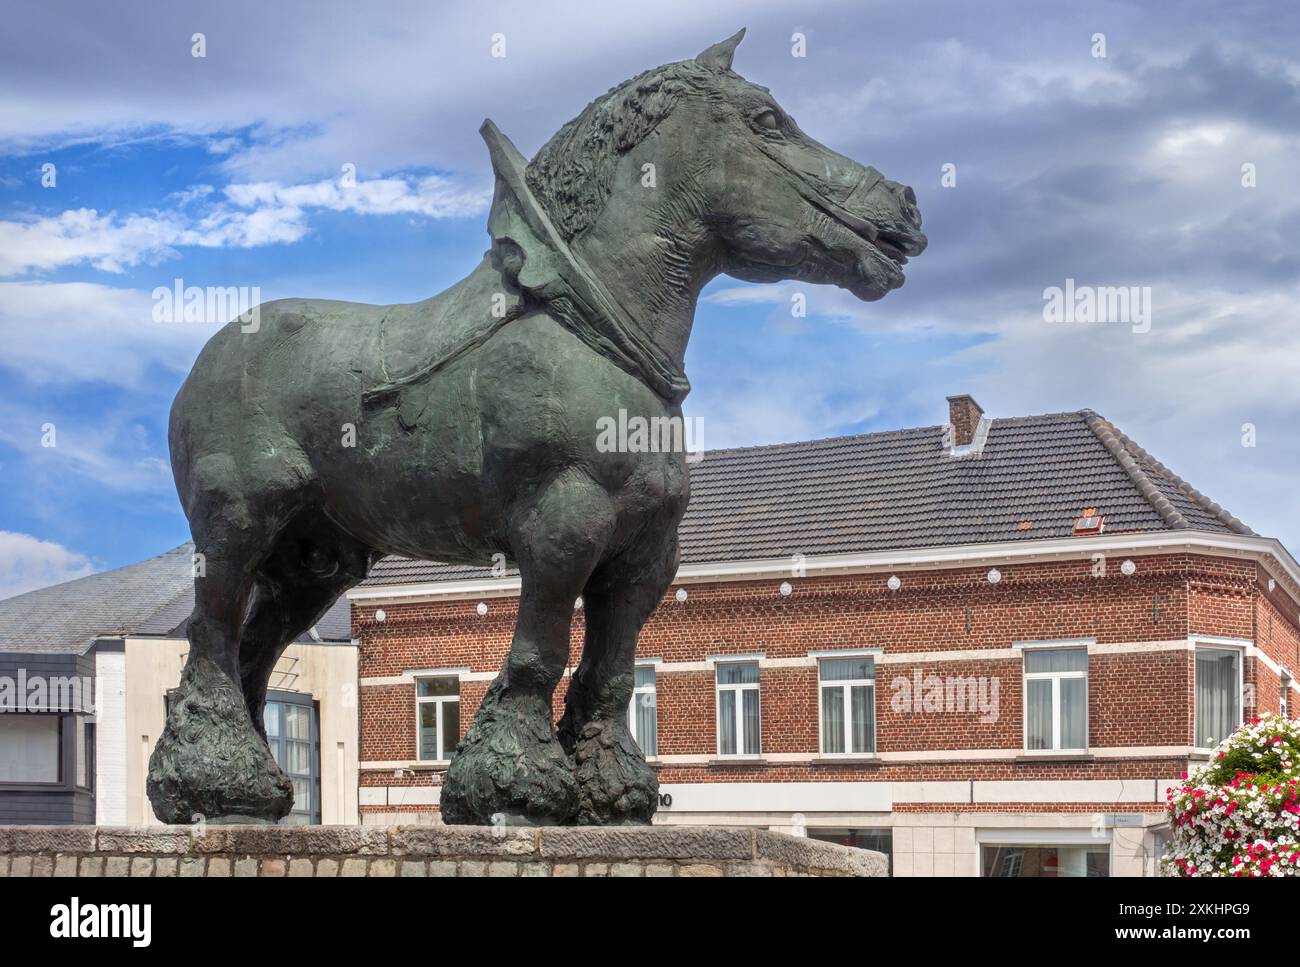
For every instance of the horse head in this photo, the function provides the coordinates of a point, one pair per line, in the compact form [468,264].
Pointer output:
[739,187]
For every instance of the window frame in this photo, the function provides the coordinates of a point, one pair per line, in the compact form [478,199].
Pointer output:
[739,688]
[845,686]
[439,701]
[651,689]
[68,722]
[304,700]
[1242,650]
[1078,644]
[1056,838]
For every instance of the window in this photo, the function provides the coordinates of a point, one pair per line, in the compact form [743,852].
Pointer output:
[31,748]
[1284,698]
[738,725]
[641,713]
[293,737]
[437,707]
[1218,695]
[86,755]
[848,705]
[1056,699]
[877,840]
[1045,861]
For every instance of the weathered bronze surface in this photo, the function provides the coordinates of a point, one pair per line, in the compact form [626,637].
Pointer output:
[475,415]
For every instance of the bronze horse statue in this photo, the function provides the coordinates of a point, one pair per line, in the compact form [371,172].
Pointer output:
[329,434]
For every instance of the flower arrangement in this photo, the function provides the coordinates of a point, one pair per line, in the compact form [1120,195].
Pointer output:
[1239,814]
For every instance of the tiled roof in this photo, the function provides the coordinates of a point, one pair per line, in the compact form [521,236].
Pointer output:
[903,489]
[67,618]
[152,597]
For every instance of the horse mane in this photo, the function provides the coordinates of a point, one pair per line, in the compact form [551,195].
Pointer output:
[572,175]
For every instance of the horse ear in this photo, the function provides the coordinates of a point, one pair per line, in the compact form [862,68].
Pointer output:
[718,57]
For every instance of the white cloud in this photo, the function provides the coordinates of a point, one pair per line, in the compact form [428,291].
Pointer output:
[28,563]
[60,333]
[261,213]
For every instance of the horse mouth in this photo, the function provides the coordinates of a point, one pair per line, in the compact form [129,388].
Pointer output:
[890,250]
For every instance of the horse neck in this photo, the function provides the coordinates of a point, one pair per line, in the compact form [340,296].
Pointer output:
[654,260]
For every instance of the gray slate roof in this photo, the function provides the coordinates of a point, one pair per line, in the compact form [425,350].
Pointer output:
[902,489]
[152,597]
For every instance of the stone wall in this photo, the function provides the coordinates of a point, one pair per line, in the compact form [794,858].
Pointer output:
[421,851]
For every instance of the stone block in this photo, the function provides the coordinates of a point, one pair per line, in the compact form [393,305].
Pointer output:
[462,841]
[47,839]
[144,839]
[646,842]
[65,865]
[700,869]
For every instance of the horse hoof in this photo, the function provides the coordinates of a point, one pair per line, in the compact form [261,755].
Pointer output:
[615,786]
[510,769]
[210,762]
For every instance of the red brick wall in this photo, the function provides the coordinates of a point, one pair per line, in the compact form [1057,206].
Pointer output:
[1134,699]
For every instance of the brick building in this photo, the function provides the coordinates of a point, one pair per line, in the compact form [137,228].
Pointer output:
[985,648]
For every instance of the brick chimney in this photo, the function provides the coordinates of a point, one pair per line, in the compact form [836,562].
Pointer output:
[963,416]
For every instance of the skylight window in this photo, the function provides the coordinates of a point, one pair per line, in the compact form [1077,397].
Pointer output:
[1089,522]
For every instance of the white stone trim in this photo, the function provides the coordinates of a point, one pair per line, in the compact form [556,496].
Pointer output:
[929,755]
[846,653]
[739,798]
[1066,790]
[1041,837]
[409,677]
[1057,643]
[1267,551]
[882,657]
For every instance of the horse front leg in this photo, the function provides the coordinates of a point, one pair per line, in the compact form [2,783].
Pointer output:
[510,769]
[615,785]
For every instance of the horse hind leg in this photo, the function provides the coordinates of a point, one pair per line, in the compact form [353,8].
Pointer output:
[210,763]
[314,562]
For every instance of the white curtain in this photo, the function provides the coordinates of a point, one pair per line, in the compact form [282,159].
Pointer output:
[727,722]
[1217,691]
[1038,713]
[1074,713]
[833,719]
[751,721]
[864,726]
[29,747]
[646,726]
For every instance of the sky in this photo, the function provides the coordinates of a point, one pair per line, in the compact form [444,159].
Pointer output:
[1154,146]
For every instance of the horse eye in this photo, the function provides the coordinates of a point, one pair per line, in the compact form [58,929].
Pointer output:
[767,121]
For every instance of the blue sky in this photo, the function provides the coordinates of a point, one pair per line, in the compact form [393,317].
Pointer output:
[1117,170]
